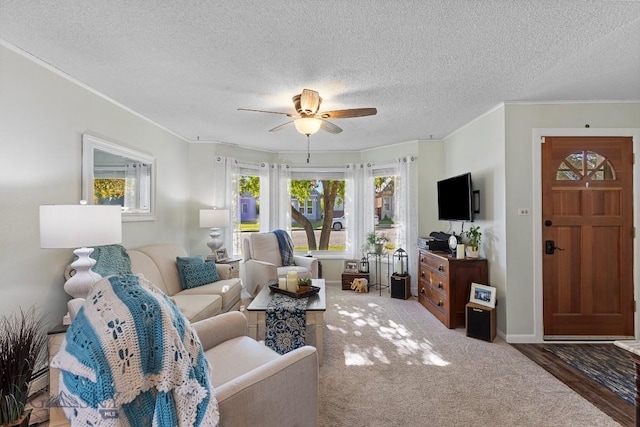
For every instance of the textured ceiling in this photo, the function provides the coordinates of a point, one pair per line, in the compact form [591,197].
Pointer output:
[428,66]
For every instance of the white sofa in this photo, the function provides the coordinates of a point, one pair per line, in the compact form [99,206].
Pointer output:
[262,262]
[157,263]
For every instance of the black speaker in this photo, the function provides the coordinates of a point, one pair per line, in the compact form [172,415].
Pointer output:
[401,287]
[481,322]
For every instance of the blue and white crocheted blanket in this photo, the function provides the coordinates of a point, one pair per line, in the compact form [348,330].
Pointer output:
[130,358]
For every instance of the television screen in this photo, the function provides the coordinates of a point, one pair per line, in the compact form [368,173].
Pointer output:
[455,198]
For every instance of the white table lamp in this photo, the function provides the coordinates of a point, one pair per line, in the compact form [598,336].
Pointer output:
[80,226]
[214,219]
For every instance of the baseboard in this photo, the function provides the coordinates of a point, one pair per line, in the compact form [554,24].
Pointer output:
[522,339]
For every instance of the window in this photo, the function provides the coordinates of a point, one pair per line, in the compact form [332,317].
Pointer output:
[384,211]
[317,198]
[249,201]
[585,165]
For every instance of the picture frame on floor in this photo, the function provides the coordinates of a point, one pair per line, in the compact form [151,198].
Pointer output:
[483,295]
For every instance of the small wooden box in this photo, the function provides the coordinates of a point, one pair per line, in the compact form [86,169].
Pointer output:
[347,279]
[481,322]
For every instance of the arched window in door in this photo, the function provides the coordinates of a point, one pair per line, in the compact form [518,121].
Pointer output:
[585,165]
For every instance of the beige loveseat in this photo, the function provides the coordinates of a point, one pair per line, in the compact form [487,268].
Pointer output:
[157,263]
[254,385]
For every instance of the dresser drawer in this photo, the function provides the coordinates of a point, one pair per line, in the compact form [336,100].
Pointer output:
[433,262]
[432,299]
[435,280]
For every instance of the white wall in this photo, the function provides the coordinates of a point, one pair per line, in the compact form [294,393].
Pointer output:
[42,118]
[479,148]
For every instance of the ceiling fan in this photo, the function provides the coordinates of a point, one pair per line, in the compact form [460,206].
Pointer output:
[308,120]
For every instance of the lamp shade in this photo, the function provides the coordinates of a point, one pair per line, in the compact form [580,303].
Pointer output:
[214,218]
[307,125]
[74,226]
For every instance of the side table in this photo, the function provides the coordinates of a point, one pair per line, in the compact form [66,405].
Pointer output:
[347,279]
[56,414]
[234,263]
[377,268]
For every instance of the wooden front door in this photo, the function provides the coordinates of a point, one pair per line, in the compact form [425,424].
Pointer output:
[587,237]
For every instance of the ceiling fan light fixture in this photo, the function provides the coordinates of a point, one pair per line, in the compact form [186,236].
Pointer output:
[307,125]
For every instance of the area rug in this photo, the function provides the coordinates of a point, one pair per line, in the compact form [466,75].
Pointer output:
[608,365]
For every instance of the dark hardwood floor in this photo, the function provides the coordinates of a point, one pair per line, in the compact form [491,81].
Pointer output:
[599,396]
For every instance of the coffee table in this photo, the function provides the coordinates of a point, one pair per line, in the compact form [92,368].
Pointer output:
[316,306]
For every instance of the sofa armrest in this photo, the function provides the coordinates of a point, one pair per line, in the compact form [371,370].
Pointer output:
[309,262]
[283,392]
[220,328]
[257,274]
[224,271]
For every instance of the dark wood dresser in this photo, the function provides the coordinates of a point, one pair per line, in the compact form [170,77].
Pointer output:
[444,284]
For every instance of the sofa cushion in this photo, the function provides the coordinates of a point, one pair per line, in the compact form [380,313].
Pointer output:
[196,274]
[235,357]
[143,265]
[164,256]
[198,307]
[265,248]
[228,289]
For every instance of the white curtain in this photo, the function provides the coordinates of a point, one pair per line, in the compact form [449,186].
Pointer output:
[359,206]
[137,182]
[406,212]
[282,211]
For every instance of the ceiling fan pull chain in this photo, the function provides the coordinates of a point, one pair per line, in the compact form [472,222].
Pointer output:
[308,153]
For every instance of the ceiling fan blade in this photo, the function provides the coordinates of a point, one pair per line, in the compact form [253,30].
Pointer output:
[351,112]
[277,128]
[270,112]
[309,101]
[330,127]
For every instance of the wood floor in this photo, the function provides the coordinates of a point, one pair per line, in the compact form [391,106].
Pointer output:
[599,396]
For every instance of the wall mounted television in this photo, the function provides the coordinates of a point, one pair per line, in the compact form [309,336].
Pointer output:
[455,198]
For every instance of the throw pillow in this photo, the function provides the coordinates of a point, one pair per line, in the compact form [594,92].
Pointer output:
[199,274]
[183,261]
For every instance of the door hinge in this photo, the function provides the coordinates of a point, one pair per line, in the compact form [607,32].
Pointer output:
[634,306]
[633,232]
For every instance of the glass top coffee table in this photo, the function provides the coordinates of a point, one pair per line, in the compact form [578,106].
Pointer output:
[316,306]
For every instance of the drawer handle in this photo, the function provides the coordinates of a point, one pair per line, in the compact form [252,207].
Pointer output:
[440,267]
[440,285]
[421,259]
[422,290]
[440,303]
[421,273]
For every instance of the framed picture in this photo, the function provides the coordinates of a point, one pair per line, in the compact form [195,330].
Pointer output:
[483,295]
[221,254]
[351,265]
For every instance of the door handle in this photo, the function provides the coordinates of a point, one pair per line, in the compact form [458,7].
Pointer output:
[550,247]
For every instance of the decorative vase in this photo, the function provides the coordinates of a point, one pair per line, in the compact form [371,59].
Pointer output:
[471,253]
[378,248]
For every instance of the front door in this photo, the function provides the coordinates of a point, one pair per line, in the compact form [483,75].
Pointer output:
[587,237]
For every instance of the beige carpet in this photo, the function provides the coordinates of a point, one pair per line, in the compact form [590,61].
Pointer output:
[389,362]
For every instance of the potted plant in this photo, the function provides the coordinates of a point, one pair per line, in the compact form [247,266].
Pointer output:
[22,341]
[473,235]
[377,241]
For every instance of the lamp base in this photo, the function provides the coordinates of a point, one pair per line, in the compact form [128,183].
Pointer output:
[215,242]
[79,285]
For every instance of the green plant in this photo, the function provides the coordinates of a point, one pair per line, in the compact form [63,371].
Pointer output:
[22,341]
[304,281]
[474,235]
[374,238]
